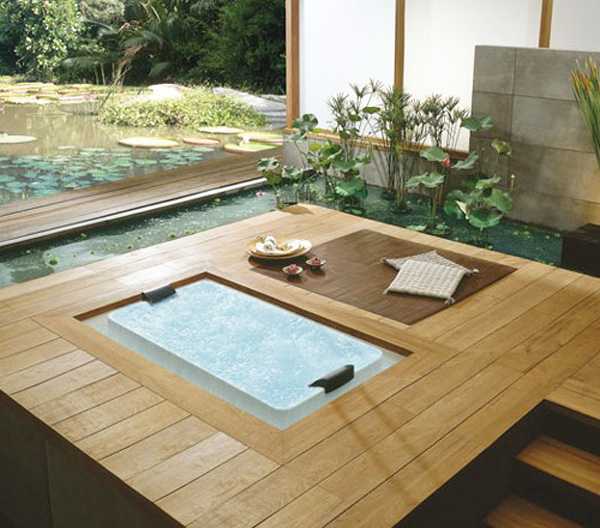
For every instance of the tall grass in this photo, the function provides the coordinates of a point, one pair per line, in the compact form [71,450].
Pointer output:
[586,87]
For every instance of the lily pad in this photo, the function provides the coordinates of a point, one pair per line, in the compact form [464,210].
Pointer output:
[8,139]
[203,142]
[262,137]
[225,130]
[244,148]
[148,142]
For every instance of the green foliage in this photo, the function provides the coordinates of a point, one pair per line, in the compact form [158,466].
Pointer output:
[197,108]
[429,180]
[103,11]
[40,33]
[435,154]
[249,45]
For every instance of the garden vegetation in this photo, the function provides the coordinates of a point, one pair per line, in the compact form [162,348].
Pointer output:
[199,107]
[239,43]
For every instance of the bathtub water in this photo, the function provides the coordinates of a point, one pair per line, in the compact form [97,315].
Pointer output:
[255,355]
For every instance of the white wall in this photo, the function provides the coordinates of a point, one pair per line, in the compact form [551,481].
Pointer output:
[576,25]
[343,42]
[441,36]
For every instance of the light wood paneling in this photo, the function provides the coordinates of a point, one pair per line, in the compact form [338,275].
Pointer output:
[366,460]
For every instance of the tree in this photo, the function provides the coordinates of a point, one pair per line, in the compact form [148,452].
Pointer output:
[42,33]
[250,45]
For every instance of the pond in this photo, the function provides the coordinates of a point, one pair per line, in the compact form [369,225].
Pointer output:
[73,150]
[26,263]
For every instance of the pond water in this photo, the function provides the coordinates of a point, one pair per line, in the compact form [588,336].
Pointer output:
[74,150]
[26,263]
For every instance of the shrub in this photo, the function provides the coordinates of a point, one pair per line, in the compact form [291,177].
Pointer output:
[42,33]
[250,45]
[199,107]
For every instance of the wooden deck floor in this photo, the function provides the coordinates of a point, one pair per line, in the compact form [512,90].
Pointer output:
[22,222]
[476,369]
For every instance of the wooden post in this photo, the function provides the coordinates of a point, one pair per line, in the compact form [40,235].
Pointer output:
[400,43]
[546,23]
[292,28]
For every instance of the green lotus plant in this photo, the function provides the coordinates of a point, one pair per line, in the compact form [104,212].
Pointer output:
[586,88]
[433,182]
[482,202]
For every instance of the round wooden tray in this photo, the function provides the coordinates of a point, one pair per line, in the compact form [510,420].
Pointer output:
[306,248]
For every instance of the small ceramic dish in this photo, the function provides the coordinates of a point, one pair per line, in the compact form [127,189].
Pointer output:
[293,271]
[316,264]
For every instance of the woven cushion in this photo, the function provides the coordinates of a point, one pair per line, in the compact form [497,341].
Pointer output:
[427,279]
[431,256]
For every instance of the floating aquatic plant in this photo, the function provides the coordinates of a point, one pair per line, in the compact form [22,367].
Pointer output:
[586,88]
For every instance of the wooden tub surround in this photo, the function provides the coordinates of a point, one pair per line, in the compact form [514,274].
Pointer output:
[94,435]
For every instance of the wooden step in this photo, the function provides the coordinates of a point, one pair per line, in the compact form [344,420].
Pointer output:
[564,462]
[515,512]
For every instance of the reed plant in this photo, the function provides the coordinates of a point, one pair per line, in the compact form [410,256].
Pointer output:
[586,88]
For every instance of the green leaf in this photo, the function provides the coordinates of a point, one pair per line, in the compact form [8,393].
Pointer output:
[468,163]
[268,164]
[487,183]
[292,174]
[451,206]
[430,180]
[434,154]
[501,200]
[484,218]
[354,188]
[420,228]
[503,148]
[476,124]
[371,110]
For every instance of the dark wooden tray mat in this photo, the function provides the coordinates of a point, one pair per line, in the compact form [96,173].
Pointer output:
[356,276]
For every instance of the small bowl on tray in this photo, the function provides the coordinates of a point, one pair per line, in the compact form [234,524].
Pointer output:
[293,271]
[316,264]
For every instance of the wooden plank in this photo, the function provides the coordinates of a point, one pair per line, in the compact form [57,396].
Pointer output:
[93,420]
[292,53]
[33,356]
[11,331]
[257,502]
[565,462]
[126,433]
[399,495]
[515,512]
[576,402]
[61,385]
[217,486]
[25,341]
[45,371]
[158,447]
[185,467]
[82,399]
